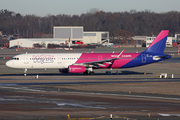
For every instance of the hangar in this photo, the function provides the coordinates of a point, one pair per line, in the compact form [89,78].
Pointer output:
[76,33]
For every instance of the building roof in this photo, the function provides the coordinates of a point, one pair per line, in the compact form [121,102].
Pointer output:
[39,39]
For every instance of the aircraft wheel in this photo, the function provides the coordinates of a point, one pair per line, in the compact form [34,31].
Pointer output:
[85,73]
[25,71]
[91,73]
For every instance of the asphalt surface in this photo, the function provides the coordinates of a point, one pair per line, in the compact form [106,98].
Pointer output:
[55,96]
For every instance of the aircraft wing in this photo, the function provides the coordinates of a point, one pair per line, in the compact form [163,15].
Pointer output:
[99,62]
[96,63]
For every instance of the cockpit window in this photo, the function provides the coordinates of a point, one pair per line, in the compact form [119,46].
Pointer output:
[15,58]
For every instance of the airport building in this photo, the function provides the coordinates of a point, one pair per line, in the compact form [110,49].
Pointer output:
[77,35]
[61,35]
[34,42]
[169,42]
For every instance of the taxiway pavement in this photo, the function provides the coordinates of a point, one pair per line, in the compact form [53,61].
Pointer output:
[132,93]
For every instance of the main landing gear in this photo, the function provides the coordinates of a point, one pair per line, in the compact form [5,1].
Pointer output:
[89,71]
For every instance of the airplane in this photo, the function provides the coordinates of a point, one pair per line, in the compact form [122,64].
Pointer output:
[86,62]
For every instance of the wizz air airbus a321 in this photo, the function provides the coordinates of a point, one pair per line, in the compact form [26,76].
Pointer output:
[86,62]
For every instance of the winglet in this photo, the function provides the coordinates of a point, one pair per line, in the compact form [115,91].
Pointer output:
[121,53]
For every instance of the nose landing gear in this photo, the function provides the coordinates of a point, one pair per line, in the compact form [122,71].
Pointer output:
[25,70]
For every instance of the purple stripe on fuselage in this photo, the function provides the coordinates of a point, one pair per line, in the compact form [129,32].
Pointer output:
[123,59]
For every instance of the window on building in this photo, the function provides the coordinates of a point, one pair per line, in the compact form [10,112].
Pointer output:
[139,42]
[129,42]
[148,38]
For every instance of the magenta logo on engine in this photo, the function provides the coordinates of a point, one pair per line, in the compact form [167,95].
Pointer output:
[76,69]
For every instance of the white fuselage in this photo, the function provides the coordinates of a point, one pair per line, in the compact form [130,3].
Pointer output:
[41,61]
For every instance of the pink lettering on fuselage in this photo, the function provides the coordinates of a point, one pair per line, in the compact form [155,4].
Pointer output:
[43,59]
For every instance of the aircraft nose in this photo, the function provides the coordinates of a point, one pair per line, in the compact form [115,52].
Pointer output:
[9,63]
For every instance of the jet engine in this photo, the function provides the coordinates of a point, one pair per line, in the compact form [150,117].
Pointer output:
[76,69]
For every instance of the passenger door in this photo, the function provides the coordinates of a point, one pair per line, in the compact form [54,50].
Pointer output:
[26,60]
[59,59]
[143,56]
[100,58]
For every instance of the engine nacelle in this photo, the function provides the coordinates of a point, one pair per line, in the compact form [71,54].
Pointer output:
[63,70]
[76,69]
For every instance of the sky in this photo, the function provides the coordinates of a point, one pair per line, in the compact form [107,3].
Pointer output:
[77,7]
